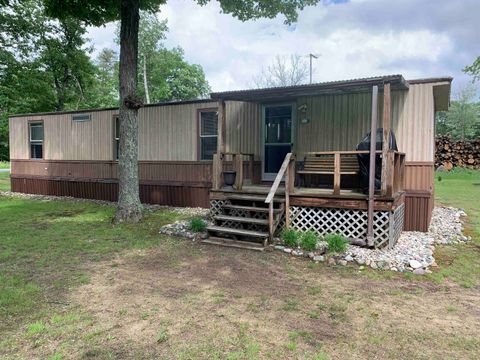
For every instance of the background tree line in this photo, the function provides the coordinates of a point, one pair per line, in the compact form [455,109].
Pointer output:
[462,120]
[47,64]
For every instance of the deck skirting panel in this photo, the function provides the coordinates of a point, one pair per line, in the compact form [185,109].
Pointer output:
[351,223]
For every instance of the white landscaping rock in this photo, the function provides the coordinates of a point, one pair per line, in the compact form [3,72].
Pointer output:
[446,225]
[414,264]
[181,229]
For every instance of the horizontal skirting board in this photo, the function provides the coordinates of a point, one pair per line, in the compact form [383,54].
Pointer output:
[168,171]
[171,195]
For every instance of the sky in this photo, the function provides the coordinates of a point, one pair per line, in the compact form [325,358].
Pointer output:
[353,38]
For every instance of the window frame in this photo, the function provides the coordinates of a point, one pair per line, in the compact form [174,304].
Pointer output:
[199,131]
[36,142]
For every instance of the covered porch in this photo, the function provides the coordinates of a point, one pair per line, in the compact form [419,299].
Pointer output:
[285,186]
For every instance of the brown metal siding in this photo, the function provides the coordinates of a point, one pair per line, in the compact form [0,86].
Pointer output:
[418,211]
[243,127]
[151,194]
[419,176]
[179,183]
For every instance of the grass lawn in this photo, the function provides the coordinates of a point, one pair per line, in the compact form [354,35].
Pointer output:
[74,286]
[4,164]
[460,188]
[4,181]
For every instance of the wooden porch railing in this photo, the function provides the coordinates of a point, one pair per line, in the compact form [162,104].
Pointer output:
[330,163]
[237,161]
[287,169]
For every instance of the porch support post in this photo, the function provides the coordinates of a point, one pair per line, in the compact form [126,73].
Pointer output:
[221,126]
[371,172]
[386,166]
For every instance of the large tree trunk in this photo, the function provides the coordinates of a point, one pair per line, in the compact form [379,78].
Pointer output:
[129,207]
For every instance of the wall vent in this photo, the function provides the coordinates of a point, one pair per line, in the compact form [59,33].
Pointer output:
[81,117]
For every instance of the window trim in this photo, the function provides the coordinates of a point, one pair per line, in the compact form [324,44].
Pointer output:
[199,131]
[36,142]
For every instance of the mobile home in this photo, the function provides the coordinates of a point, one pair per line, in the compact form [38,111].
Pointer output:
[293,150]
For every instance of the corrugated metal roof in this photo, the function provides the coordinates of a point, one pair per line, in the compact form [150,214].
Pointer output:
[397,82]
[165,103]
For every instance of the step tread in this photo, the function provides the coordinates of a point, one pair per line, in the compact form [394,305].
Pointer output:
[252,198]
[234,243]
[250,208]
[242,219]
[227,230]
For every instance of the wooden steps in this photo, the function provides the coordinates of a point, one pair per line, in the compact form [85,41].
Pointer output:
[241,219]
[234,243]
[326,172]
[250,208]
[254,198]
[241,232]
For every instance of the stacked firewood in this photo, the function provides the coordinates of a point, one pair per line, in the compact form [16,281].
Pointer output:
[451,153]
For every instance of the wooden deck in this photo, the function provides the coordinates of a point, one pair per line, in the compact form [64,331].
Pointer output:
[319,197]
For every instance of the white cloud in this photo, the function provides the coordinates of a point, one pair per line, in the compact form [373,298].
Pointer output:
[354,40]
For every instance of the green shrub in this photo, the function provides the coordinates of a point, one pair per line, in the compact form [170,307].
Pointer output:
[290,237]
[197,224]
[336,243]
[308,240]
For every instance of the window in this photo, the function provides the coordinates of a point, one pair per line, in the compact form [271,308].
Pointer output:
[81,117]
[208,134]
[117,136]
[36,140]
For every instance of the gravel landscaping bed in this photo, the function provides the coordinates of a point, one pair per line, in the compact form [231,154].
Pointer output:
[200,212]
[181,228]
[414,251]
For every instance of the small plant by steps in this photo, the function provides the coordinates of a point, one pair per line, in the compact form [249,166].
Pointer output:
[290,237]
[336,243]
[197,225]
[309,240]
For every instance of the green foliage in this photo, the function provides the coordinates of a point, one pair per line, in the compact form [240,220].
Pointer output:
[308,240]
[462,120]
[474,69]
[168,75]
[197,224]
[44,64]
[336,243]
[290,237]
[104,92]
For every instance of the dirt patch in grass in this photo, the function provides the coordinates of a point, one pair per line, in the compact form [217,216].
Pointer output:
[198,301]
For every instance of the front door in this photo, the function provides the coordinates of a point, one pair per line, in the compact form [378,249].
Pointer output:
[277,135]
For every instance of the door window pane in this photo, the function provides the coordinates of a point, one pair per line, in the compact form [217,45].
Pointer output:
[274,156]
[278,124]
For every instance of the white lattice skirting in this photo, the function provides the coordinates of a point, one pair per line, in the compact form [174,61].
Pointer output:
[387,225]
